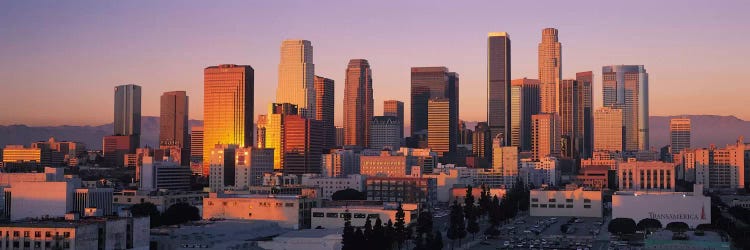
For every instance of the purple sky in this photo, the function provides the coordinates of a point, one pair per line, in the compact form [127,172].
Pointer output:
[60,60]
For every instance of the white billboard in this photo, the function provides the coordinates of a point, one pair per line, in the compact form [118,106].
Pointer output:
[665,207]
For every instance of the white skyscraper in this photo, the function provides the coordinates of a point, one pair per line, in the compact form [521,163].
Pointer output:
[296,76]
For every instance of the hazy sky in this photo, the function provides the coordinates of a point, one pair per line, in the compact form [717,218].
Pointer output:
[60,60]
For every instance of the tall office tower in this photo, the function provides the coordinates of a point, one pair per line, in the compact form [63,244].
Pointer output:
[250,165]
[324,110]
[339,136]
[550,70]
[260,131]
[173,122]
[441,136]
[453,81]
[429,83]
[505,158]
[303,145]
[721,168]
[274,130]
[626,87]
[395,108]
[227,107]
[465,135]
[524,103]
[585,111]
[608,129]
[575,115]
[196,142]
[384,132]
[222,167]
[128,112]
[358,103]
[679,134]
[482,144]
[545,139]
[296,73]
[498,84]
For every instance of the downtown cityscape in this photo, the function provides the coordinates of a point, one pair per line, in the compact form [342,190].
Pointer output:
[567,157]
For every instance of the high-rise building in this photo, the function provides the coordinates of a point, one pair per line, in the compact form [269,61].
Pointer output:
[545,139]
[260,131]
[222,167]
[227,107]
[296,73]
[395,108]
[505,159]
[585,123]
[441,136]
[196,142]
[303,145]
[524,103]
[575,114]
[273,130]
[325,109]
[428,83]
[498,84]
[358,103]
[626,87]
[721,168]
[115,147]
[679,134]
[550,70]
[384,132]
[608,130]
[250,165]
[173,121]
[128,112]
[482,144]
[339,136]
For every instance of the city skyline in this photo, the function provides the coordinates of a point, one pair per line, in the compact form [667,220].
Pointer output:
[586,49]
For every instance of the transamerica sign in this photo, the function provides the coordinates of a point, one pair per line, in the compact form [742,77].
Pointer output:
[666,207]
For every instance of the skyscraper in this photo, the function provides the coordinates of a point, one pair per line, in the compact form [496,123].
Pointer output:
[325,109]
[608,129]
[227,107]
[358,103]
[396,109]
[196,144]
[482,144]
[441,136]
[303,145]
[545,129]
[274,130]
[428,83]
[524,104]
[550,70]
[575,115]
[679,134]
[626,87]
[498,84]
[173,121]
[128,112]
[296,71]
[384,132]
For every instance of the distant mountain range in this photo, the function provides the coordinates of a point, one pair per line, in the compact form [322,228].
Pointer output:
[90,135]
[707,129]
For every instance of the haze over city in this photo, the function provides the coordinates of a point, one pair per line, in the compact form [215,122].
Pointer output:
[71,54]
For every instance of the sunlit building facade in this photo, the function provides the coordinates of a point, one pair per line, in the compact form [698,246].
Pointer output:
[626,87]
[524,104]
[679,134]
[545,135]
[608,130]
[550,70]
[296,76]
[498,83]
[325,109]
[395,108]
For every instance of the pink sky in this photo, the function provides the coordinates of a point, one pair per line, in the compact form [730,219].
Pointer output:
[60,60]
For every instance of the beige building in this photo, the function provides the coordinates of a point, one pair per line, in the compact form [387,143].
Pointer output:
[333,217]
[18,155]
[679,134]
[545,135]
[162,199]
[290,211]
[550,70]
[568,203]
[438,126]
[608,129]
[646,176]
[387,164]
[721,168]
[296,76]
[505,159]
[330,185]
[227,107]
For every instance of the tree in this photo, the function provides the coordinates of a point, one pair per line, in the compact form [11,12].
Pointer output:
[180,213]
[621,226]
[470,213]
[348,194]
[424,222]
[147,209]
[648,223]
[495,212]
[347,238]
[359,239]
[399,228]
[457,227]
[388,234]
[437,242]
[677,226]
[368,232]
[484,200]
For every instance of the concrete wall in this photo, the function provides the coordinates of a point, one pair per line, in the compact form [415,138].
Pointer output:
[38,199]
[666,207]
[574,203]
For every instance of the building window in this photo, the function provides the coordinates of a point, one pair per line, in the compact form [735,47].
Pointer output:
[586,206]
[560,206]
[534,199]
[37,244]
[66,234]
[47,244]
[345,215]
[332,215]
[26,244]
[586,200]
[543,205]
[289,204]
[568,200]
[48,234]
[26,234]
[318,214]
[360,216]
[534,205]
[569,206]
[552,200]
[37,234]
[16,244]
[16,234]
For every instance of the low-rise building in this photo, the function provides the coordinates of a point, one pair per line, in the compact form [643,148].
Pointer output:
[594,177]
[691,208]
[158,175]
[330,185]
[387,164]
[654,176]
[287,210]
[333,217]
[573,203]
[162,199]
[75,233]
[401,189]
[308,239]
[215,234]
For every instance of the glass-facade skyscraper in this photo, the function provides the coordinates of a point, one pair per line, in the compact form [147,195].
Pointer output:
[498,84]
[550,70]
[128,112]
[358,103]
[296,76]
[626,87]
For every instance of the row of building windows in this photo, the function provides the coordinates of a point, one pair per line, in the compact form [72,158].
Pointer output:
[558,205]
[37,244]
[566,200]
[37,234]
[345,215]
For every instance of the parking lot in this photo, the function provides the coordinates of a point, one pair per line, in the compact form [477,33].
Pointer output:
[545,233]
